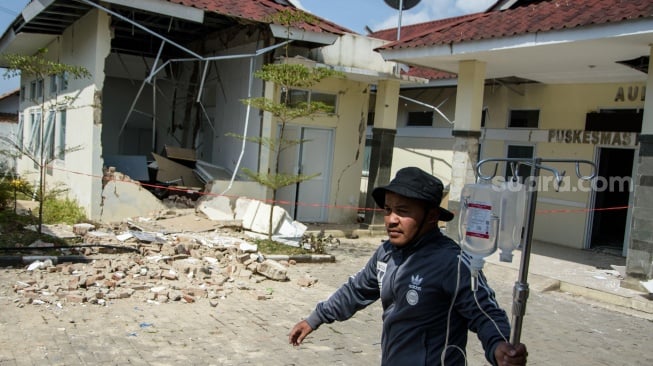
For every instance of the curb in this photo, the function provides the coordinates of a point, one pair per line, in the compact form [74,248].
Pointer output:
[542,283]
[645,306]
[303,258]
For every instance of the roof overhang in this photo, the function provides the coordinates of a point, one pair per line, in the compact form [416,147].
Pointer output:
[296,34]
[580,55]
[358,74]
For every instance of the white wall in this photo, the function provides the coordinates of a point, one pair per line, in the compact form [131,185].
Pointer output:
[86,44]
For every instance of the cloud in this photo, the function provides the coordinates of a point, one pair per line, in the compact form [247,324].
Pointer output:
[406,19]
[473,6]
[298,4]
[428,10]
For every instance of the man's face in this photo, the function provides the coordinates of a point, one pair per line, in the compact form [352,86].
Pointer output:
[402,217]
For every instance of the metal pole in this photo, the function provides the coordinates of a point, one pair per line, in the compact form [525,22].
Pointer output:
[401,10]
[520,291]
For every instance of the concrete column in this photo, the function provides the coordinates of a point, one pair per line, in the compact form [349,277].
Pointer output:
[466,131]
[639,260]
[383,141]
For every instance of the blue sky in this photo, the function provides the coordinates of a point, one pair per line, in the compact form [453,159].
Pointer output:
[352,14]
[377,15]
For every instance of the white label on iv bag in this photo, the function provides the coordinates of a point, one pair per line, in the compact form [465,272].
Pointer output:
[478,220]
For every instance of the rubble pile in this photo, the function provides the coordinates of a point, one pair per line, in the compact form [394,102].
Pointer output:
[123,262]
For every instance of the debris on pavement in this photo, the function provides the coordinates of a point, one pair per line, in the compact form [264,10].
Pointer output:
[176,255]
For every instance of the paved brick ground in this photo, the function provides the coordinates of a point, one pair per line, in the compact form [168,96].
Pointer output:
[558,328]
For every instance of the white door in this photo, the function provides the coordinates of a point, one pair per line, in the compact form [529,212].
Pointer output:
[307,201]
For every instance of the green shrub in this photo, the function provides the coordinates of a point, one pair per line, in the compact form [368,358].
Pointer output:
[56,210]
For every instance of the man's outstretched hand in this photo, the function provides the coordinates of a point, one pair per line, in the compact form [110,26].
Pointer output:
[508,355]
[299,332]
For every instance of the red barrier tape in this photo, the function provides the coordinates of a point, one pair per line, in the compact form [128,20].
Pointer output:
[303,204]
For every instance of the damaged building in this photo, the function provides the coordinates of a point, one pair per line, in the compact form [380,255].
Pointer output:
[165,97]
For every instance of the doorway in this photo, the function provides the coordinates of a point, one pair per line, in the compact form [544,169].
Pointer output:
[611,199]
[307,201]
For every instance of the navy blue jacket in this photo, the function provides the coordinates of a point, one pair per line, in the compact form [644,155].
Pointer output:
[416,284]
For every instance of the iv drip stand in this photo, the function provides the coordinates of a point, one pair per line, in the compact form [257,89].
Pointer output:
[521,291]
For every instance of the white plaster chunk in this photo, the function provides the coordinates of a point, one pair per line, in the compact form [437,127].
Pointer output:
[217,208]
[291,229]
[247,210]
[126,199]
[261,221]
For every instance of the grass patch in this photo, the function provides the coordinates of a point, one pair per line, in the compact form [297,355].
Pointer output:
[56,211]
[267,246]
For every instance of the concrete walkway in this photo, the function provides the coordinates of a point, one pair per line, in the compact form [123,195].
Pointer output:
[593,275]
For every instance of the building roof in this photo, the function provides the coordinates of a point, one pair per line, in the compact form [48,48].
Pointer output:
[165,17]
[259,11]
[10,93]
[539,17]
[547,41]
[413,30]
[8,117]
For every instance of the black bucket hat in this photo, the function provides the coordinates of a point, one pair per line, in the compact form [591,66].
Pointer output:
[415,183]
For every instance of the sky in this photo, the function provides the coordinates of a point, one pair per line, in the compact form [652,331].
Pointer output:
[377,15]
[353,14]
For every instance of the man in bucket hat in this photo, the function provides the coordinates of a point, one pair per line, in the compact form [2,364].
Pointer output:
[421,277]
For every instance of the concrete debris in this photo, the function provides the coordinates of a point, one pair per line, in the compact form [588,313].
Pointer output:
[82,229]
[306,281]
[40,244]
[123,197]
[189,266]
[62,231]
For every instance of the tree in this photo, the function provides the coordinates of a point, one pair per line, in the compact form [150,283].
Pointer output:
[39,68]
[286,76]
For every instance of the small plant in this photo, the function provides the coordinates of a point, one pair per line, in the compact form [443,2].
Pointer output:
[286,76]
[11,189]
[319,243]
[267,246]
[66,210]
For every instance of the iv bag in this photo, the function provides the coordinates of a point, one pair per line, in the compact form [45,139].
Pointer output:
[479,213]
[512,217]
